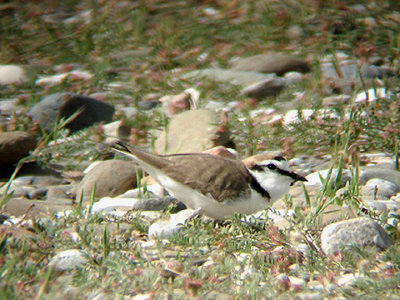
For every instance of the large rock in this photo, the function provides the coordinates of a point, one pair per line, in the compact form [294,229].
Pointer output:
[15,145]
[62,105]
[359,232]
[193,131]
[271,63]
[112,178]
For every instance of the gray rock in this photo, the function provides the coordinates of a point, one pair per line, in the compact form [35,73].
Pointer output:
[383,184]
[383,206]
[369,71]
[271,63]
[69,260]
[15,145]
[234,77]
[53,108]
[357,232]
[367,174]
[112,178]
[350,70]
[374,193]
[193,131]
[347,68]
[268,87]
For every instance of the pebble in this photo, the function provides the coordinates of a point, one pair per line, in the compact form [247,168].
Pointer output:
[271,63]
[336,100]
[232,76]
[376,193]
[11,74]
[59,78]
[295,116]
[268,87]
[117,130]
[347,279]
[9,106]
[165,229]
[293,77]
[215,105]
[69,260]
[383,206]
[372,95]
[358,232]
[107,204]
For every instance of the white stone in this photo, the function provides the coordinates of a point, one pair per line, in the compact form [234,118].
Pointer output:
[69,260]
[314,179]
[59,78]
[347,280]
[295,116]
[109,204]
[164,229]
[11,74]
[293,77]
[372,95]
[215,105]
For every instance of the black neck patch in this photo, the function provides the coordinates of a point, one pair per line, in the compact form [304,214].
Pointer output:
[255,185]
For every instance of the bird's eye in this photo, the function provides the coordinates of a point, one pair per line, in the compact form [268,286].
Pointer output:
[271,166]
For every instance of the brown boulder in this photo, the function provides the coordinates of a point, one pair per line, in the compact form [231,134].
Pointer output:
[112,178]
[193,131]
[15,145]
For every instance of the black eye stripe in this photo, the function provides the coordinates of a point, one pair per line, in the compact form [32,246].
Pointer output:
[262,167]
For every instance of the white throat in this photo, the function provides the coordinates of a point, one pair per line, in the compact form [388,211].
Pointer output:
[275,184]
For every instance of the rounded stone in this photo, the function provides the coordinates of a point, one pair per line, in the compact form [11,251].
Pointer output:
[269,87]
[69,260]
[11,74]
[55,107]
[15,145]
[193,131]
[374,172]
[359,232]
[111,177]
[272,63]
